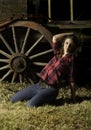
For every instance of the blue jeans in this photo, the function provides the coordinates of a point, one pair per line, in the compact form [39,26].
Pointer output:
[36,95]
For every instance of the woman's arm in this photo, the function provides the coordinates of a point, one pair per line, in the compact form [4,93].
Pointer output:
[58,37]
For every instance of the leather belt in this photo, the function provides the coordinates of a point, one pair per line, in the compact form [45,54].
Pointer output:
[45,85]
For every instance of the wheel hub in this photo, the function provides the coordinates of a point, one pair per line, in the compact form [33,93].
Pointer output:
[18,64]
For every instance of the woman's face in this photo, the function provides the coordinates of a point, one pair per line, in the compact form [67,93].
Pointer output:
[68,46]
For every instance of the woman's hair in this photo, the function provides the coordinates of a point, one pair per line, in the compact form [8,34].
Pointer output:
[74,38]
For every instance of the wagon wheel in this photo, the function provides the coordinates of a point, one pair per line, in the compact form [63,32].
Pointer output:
[24,50]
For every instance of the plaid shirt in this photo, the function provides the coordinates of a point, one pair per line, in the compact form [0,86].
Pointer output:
[58,68]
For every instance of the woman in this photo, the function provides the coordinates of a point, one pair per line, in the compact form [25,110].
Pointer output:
[62,65]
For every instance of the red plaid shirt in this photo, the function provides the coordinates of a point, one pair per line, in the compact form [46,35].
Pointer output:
[58,68]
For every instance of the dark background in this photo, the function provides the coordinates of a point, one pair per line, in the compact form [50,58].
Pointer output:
[61,9]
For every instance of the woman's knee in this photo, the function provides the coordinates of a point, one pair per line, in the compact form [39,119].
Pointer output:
[16,97]
[36,100]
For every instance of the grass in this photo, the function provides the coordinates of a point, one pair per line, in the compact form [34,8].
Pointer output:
[61,116]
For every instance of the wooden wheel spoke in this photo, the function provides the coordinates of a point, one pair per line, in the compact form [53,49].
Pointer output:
[33,46]
[30,80]
[25,40]
[39,63]
[4,54]
[14,39]
[6,75]
[13,77]
[20,78]
[4,60]
[38,74]
[4,67]
[6,44]
[40,54]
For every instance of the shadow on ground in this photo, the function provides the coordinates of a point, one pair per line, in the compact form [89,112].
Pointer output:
[62,101]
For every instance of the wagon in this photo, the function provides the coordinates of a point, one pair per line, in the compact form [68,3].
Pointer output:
[25,42]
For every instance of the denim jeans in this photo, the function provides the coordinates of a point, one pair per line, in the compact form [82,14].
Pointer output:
[36,95]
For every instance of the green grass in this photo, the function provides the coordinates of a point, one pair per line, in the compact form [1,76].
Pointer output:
[64,116]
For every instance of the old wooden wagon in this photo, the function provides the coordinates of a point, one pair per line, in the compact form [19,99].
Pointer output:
[26,29]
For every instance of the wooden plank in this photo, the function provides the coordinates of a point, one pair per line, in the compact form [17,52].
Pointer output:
[70,25]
